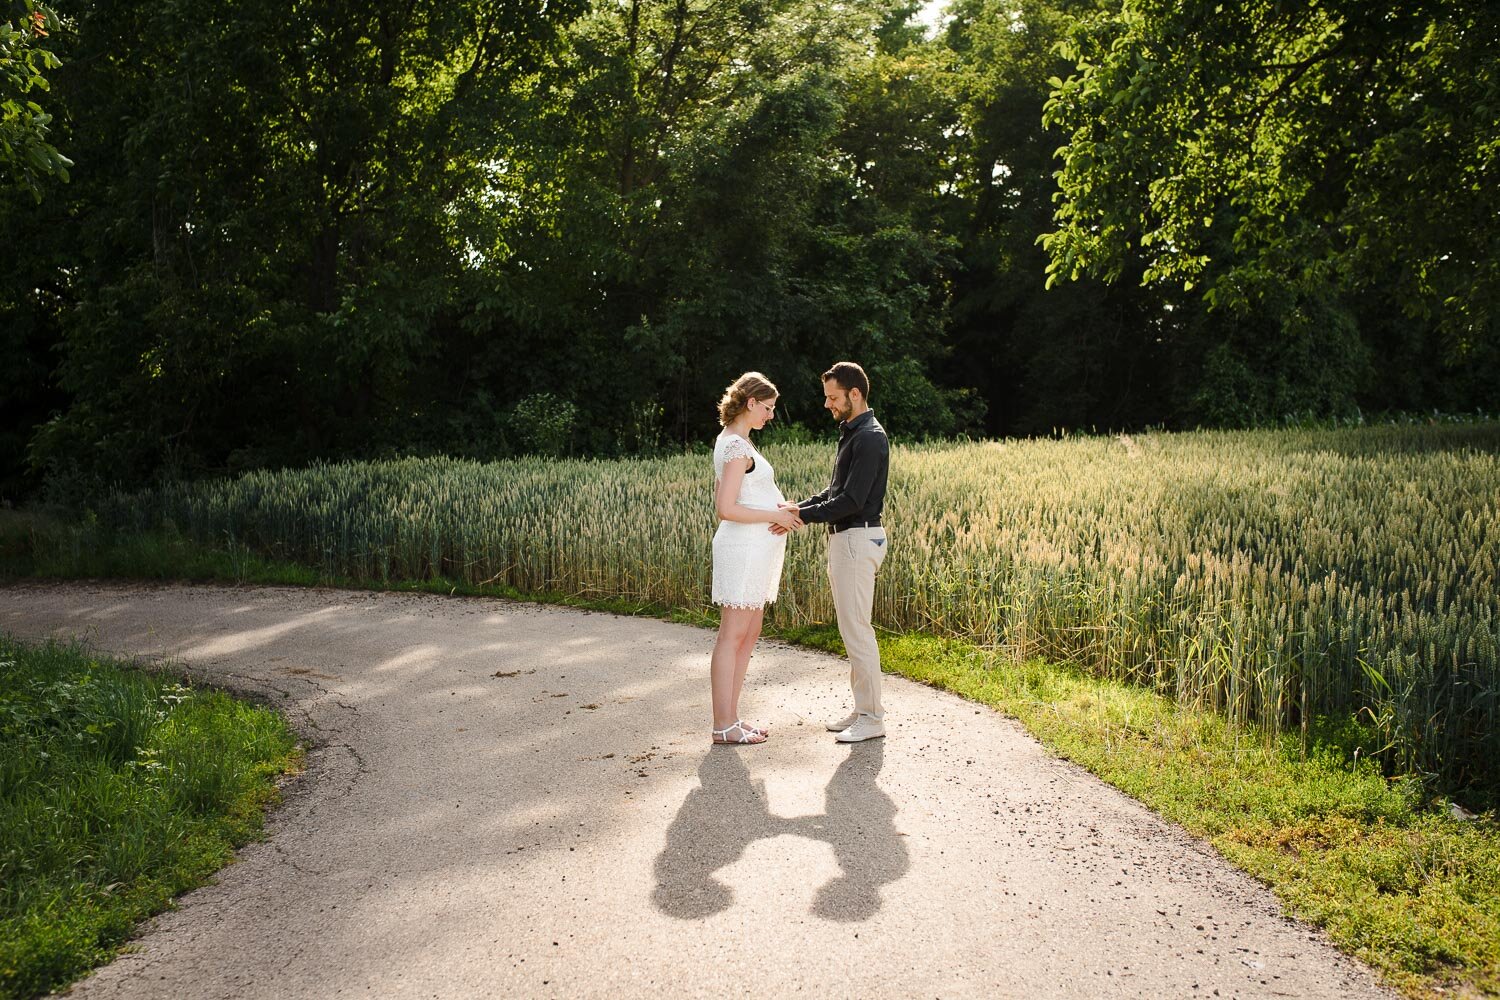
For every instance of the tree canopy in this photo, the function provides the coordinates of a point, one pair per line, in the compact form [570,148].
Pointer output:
[1338,148]
[488,228]
[27,159]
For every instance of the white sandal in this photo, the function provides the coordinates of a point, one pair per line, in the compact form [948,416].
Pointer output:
[747,734]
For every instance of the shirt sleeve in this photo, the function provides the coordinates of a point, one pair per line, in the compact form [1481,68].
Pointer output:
[831,506]
[816,498]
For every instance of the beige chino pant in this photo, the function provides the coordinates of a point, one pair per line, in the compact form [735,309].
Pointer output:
[854,557]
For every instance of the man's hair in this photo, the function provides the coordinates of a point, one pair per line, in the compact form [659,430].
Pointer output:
[849,375]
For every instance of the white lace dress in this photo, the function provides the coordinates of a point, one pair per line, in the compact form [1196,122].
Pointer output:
[747,557]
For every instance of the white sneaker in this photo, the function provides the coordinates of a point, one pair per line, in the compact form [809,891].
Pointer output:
[864,728]
[843,724]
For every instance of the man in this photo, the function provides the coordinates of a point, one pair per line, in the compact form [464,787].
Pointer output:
[851,507]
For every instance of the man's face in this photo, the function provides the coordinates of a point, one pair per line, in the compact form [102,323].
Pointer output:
[836,401]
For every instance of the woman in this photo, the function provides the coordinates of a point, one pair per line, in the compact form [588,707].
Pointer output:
[747,553]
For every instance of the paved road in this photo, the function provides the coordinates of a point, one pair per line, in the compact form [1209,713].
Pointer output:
[517,801]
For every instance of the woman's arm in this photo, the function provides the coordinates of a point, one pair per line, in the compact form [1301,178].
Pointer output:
[726,500]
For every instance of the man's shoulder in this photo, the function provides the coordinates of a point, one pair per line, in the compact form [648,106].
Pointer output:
[871,439]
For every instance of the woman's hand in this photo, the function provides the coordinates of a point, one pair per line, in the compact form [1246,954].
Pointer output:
[785,519]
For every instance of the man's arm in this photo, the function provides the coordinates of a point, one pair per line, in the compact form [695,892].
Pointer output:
[816,498]
[863,462]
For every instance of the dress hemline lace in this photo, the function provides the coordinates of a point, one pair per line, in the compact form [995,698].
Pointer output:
[742,607]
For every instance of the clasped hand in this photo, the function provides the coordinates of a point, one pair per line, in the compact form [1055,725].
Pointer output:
[788,519]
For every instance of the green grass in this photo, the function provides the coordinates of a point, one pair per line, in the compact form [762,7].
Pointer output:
[1379,864]
[119,789]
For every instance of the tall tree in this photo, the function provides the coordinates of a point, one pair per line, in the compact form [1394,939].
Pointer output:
[251,261]
[29,163]
[688,203]
[1304,163]
[1088,354]
[477,227]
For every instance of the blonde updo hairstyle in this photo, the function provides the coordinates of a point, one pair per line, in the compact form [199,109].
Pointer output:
[751,385]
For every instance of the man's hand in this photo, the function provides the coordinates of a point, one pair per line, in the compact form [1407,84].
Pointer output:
[788,519]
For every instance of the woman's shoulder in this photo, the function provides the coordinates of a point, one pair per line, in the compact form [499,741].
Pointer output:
[728,447]
[731,440]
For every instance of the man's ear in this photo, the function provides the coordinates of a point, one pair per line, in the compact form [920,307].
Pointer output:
[855,396]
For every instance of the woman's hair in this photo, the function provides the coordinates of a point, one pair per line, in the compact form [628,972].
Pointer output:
[751,385]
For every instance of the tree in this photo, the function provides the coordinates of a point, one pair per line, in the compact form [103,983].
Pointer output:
[690,196]
[1087,354]
[27,159]
[253,267]
[1299,158]
[416,227]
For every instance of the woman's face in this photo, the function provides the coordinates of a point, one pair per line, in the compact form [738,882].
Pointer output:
[762,412]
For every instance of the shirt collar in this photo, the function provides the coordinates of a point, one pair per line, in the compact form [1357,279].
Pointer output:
[849,426]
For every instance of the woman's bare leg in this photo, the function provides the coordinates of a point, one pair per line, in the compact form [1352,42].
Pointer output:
[742,654]
[734,623]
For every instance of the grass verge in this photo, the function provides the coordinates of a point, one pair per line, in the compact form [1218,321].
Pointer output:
[119,789]
[1382,866]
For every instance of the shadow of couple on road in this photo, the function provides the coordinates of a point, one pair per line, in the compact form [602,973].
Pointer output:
[728,812]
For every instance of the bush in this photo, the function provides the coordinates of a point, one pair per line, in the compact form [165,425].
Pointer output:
[543,424]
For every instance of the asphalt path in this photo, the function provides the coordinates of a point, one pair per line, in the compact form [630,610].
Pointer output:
[511,800]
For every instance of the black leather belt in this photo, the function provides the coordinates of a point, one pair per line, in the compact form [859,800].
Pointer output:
[834,529]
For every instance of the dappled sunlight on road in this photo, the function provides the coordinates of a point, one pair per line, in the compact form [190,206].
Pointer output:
[243,642]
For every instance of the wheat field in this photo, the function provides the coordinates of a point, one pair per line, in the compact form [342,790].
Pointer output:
[1274,576]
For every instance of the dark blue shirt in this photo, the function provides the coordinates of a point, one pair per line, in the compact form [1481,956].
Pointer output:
[857,492]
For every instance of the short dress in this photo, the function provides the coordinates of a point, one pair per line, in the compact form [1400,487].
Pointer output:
[747,557]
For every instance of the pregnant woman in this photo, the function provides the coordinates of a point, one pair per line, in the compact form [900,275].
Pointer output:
[747,553]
